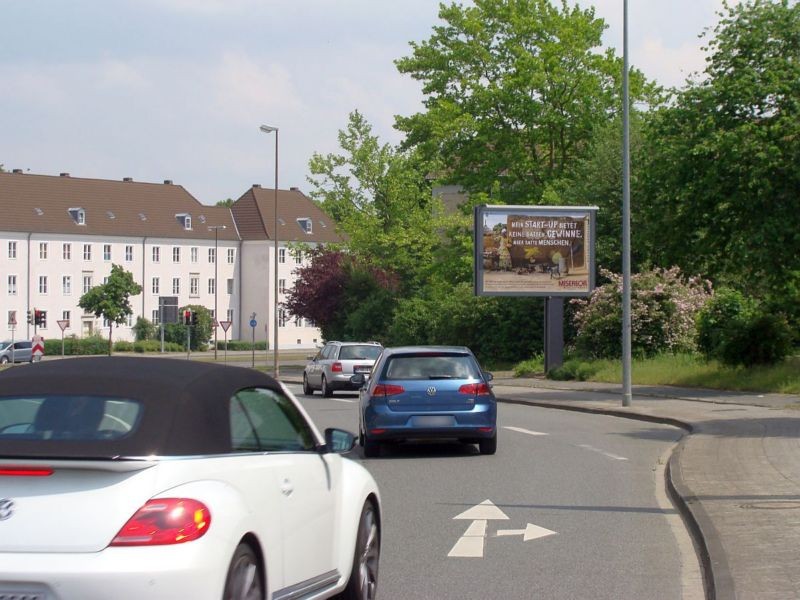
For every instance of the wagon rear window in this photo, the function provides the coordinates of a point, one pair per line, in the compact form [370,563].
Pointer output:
[79,418]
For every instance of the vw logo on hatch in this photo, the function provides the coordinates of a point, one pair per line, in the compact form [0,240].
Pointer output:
[6,508]
[431,391]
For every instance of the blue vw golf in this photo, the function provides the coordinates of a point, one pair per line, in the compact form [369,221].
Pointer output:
[424,392]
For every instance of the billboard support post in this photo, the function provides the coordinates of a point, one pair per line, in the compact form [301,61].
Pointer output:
[553,333]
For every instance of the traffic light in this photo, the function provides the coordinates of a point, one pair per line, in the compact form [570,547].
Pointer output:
[187,317]
[194,319]
[38,317]
[30,317]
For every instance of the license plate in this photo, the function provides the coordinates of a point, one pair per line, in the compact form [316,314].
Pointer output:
[433,421]
[362,369]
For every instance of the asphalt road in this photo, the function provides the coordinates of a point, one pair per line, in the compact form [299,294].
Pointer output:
[594,482]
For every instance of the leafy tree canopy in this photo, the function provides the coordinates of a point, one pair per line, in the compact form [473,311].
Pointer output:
[111,300]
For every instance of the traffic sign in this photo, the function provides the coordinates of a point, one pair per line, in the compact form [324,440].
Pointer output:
[225,325]
[37,346]
[253,322]
[63,324]
[12,317]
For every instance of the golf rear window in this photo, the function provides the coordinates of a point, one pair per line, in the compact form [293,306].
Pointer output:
[431,366]
[67,417]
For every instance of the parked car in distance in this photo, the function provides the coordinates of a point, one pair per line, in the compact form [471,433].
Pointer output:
[19,351]
[130,478]
[427,392]
[335,363]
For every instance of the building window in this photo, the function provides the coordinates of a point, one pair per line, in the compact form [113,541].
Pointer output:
[87,252]
[66,285]
[230,286]
[105,280]
[281,286]
[212,255]
[42,284]
[176,254]
[298,321]
[194,285]
[87,283]
[156,254]
[193,254]
[281,317]
[65,316]
[155,318]
[66,251]
[12,249]
[231,255]
[298,257]
[129,253]
[212,286]
[12,285]
[281,255]
[106,252]
[230,315]
[176,285]
[306,225]
[156,285]
[43,250]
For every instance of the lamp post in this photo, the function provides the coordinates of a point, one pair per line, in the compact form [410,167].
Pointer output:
[626,220]
[216,229]
[276,373]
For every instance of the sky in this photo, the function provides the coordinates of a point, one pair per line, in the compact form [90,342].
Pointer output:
[177,89]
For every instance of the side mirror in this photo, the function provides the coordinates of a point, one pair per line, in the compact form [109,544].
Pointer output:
[339,440]
[488,376]
[358,379]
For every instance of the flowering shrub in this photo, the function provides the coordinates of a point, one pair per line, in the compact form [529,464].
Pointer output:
[664,306]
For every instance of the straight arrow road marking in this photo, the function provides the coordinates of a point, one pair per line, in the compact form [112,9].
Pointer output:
[521,430]
[470,545]
[531,532]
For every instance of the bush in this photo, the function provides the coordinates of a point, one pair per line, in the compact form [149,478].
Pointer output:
[532,366]
[574,369]
[664,307]
[242,345]
[720,317]
[144,330]
[123,346]
[757,339]
[77,346]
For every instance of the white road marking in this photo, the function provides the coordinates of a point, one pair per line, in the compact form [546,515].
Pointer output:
[342,400]
[528,431]
[485,511]
[531,532]
[608,454]
[467,547]
[470,545]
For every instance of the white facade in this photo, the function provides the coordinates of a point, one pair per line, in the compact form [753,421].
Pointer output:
[50,272]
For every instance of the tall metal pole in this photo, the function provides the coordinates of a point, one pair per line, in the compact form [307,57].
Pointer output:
[626,220]
[275,369]
[216,229]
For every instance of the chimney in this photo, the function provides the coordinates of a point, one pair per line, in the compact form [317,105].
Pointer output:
[256,185]
[168,182]
[127,179]
[17,171]
[294,189]
[63,175]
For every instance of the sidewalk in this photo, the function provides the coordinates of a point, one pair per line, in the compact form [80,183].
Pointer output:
[736,478]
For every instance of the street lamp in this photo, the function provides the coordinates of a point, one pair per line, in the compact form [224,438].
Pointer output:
[216,229]
[276,373]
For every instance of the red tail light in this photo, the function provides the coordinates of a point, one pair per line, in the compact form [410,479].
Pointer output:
[165,521]
[25,471]
[387,390]
[475,389]
[336,367]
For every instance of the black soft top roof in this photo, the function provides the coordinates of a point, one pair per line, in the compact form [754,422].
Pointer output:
[185,408]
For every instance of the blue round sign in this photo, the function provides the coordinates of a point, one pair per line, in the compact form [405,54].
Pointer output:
[253,323]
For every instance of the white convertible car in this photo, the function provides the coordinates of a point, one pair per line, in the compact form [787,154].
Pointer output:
[158,478]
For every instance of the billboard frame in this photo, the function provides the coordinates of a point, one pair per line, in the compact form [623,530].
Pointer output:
[480,212]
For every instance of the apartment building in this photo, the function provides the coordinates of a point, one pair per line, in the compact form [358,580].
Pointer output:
[60,235]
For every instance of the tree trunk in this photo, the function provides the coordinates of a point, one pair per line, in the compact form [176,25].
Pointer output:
[110,329]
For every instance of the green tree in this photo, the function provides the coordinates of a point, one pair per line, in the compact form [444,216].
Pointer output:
[228,202]
[515,90]
[111,299]
[721,172]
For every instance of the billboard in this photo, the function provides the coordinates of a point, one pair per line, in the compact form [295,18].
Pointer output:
[534,250]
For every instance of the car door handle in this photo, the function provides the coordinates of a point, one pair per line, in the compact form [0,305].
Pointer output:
[287,488]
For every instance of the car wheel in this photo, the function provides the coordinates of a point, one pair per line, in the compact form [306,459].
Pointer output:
[3,360]
[372,448]
[244,580]
[363,582]
[489,445]
[307,389]
[326,391]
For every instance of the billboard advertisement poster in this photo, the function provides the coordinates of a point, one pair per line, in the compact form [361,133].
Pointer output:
[534,250]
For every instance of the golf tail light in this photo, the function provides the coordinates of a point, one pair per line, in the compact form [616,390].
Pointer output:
[383,389]
[164,521]
[475,389]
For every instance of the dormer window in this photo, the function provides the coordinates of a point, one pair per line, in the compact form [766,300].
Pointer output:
[306,224]
[185,219]
[78,215]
